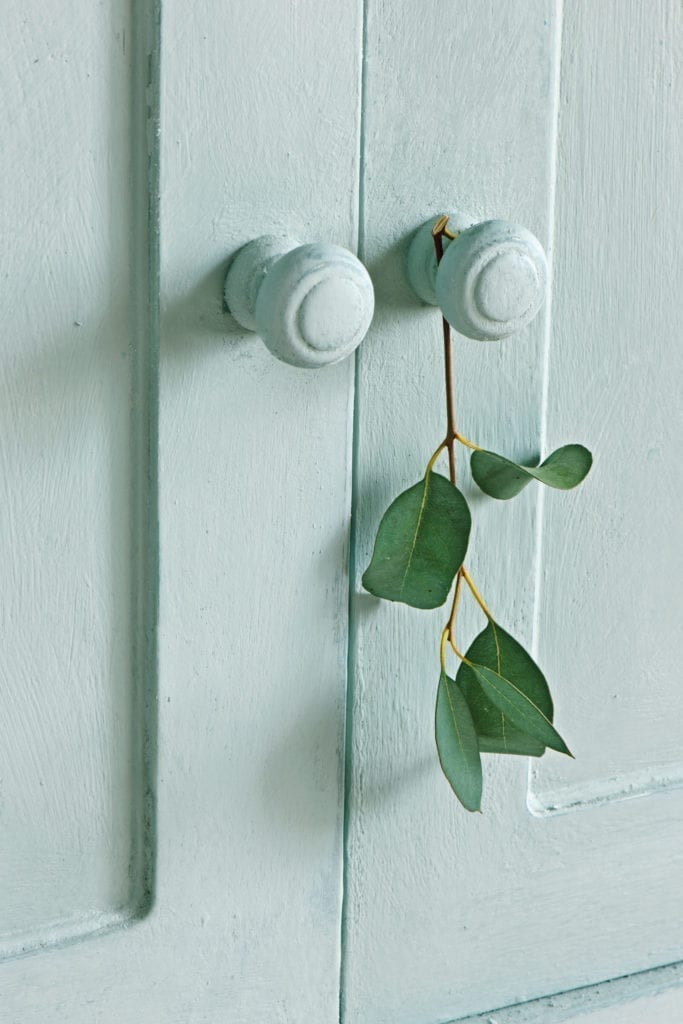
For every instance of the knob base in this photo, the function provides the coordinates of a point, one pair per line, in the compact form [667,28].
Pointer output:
[247,272]
[422,264]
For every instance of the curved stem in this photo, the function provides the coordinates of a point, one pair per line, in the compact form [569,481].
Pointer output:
[457,652]
[442,649]
[468,444]
[430,464]
[454,606]
[475,594]
[440,228]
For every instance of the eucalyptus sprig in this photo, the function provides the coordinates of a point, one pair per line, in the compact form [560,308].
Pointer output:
[499,701]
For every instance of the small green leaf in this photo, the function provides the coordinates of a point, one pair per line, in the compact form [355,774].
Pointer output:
[524,714]
[421,544]
[500,478]
[500,652]
[456,742]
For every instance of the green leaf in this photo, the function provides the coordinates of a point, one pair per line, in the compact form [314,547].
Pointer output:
[456,742]
[421,544]
[500,478]
[497,650]
[524,714]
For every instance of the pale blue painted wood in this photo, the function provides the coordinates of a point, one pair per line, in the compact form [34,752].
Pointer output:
[621,540]
[311,304]
[426,885]
[259,121]
[446,914]
[77,544]
[655,995]
[259,133]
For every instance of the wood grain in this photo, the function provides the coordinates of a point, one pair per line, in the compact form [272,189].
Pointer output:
[449,914]
[259,132]
[445,915]
[618,311]
[71,739]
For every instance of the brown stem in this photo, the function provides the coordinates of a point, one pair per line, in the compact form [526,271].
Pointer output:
[438,232]
[448,364]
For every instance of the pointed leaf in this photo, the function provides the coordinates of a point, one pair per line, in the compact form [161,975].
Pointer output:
[499,651]
[421,544]
[456,742]
[500,478]
[524,714]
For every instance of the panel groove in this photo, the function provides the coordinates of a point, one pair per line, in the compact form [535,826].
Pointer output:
[352,566]
[548,320]
[78,850]
[580,1003]
[145,415]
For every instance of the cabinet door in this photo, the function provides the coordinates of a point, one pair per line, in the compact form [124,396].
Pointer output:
[175,518]
[572,873]
[171,829]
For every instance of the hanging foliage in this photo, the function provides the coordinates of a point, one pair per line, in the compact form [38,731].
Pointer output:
[498,701]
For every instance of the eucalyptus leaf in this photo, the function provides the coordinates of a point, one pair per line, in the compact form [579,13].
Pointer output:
[500,478]
[456,742]
[494,648]
[420,545]
[524,714]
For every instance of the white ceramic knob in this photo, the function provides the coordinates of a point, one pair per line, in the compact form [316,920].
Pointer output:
[491,281]
[311,304]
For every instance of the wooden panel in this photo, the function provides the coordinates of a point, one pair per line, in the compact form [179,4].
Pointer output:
[655,995]
[449,914]
[255,498]
[614,580]
[72,489]
[475,134]
[259,131]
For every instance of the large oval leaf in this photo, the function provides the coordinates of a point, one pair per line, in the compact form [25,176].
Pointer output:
[524,714]
[497,650]
[456,742]
[421,544]
[500,478]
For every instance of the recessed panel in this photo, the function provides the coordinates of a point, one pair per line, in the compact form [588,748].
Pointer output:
[449,913]
[73,538]
[610,611]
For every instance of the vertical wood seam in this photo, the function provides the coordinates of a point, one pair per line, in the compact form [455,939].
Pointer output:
[351,569]
[548,314]
[145,164]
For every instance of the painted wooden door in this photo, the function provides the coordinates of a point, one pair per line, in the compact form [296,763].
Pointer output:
[171,795]
[568,122]
[198,826]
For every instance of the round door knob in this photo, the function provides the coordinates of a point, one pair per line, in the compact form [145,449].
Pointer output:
[311,304]
[491,280]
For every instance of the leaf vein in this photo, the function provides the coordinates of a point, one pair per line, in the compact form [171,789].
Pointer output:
[417,530]
[500,672]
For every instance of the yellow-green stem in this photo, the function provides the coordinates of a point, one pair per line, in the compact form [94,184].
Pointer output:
[430,464]
[442,648]
[459,653]
[475,594]
[454,606]
[467,443]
